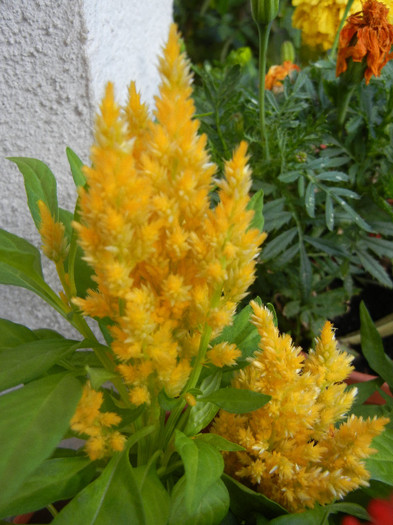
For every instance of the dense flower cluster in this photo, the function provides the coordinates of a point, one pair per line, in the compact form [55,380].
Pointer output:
[366,37]
[90,421]
[54,242]
[277,73]
[294,451]
[170,268]
[319,20]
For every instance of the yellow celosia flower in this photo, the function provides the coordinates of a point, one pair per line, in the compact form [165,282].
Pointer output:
[296,454]
[55,244]
[223,354]
[319,20]
[168,266]
[90,421]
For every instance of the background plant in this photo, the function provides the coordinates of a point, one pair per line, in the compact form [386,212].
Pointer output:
[327,209]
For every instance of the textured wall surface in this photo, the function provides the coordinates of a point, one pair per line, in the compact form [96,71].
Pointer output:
[55,57]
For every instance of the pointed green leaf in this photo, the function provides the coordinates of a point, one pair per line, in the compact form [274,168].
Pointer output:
[380,465]
[305,272]
[203,466]
[121,495]
[33,419]
[20,265]
[246,502]
[256,204]
[28,361]
[372,347]
[76,167]
[278,245]
[218,442]
[202,414]
[210,510]
[371,265]
[40,184]
[329,212]
[236,400]
[309,199]
[54,480]
[14,334]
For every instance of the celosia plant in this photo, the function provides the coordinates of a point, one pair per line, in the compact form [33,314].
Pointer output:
[294,451]
[160,250]
[319,21]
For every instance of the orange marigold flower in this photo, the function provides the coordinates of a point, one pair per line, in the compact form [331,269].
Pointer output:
[276,74]
[366,34]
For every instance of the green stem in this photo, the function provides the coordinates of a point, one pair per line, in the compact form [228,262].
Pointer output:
[52,510]
[337,37]
[263,32]
[343,104]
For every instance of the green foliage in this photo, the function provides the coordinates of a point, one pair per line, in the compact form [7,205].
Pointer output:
[325,211]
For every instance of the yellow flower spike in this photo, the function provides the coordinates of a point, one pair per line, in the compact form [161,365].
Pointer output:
[223,354]
[296,454]
[55,245]
[169,269]
[88,420]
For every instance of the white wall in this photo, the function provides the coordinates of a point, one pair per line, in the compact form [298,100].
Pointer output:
[55,58]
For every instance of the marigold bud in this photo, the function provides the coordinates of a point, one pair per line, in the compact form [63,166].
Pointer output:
[264,11]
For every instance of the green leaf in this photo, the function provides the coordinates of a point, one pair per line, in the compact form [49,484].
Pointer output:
[218,442]
[305,272]
[99,376]
[309,199]
[236,400]
[210,510]
[352,213]
[278,245]
[316,516]
[54,480]
[380,465]
[256,204]
[20,265]
[372,266]
[33,419]
[76,167]
[332,176]
[329,212]
[203,466]
[40,184]
[119,496]
[289,176]
[14,334]
[202,414]
[246,502]
[28,361]
[372,347]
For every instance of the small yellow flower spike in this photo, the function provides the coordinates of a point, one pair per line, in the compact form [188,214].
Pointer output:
[296,454]
[90,421]
[55,244]
[319,19]
[169,268]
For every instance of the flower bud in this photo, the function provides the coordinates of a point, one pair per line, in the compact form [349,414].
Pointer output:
[287,52]
[264,11]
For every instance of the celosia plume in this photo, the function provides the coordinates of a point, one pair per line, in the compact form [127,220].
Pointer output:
[276,74]
[319,20]
[168,266]
[366,37]
[294,452]
[54,242]
[90,421]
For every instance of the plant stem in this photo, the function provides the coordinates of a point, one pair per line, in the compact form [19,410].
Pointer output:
[332,53]
[263,32]
[343,105]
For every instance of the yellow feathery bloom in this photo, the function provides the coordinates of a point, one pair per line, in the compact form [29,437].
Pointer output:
[52,233]
[295,453]
[168,266]
[223,354]
[319,20]
[90,421]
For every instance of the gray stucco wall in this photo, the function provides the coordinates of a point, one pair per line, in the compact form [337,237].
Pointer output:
[55,57]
